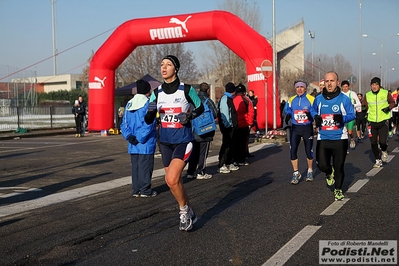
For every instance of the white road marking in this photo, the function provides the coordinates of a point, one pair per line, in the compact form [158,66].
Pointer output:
[18,191]
[390,157]
[358,185]
[396,150]
[24,148]
[374,171]
[334,207]
[292,246]
[90,190]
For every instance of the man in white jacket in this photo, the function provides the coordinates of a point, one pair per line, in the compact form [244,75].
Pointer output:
[357,105]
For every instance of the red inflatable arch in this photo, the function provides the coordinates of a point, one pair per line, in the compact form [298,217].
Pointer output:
[213,25]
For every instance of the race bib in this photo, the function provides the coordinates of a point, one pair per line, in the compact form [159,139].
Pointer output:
[328,122]
[169,117]
[300,116]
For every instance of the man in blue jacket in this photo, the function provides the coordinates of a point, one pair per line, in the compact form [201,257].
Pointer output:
[331,110]
[227,118]
[142,139]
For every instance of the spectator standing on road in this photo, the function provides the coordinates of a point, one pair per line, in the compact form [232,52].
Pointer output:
[361,114]
[142,138]
[298,112]
[197,162]
[227,118]
[395,112]
[172,100]
[121,111]
[286,122]
[356,104]
[83,104]
[254,100]
[78,111]
[245,118]
[379,103]
[330,111]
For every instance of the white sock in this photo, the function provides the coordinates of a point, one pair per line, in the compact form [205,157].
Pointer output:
[184,208]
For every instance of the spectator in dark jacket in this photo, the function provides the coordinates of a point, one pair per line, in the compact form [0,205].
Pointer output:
[254,100]
[83,104]
[202,143]
[79,112]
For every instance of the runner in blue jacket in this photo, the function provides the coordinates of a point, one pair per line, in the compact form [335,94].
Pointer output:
[298,113]
[331,110]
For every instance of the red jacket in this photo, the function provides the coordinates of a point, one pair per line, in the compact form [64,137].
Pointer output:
[244,109]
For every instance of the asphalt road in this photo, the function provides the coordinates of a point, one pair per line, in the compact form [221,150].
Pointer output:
[67,201]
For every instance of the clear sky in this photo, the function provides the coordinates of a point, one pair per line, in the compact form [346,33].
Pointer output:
[83,25]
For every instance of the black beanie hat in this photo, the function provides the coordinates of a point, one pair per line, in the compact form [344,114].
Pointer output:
[174,60]
[241,88]
[143,87]
[345,82]
[376,80]
[230,87]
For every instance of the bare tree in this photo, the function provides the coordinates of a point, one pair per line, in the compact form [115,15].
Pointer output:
[147,60]
[325,63]
[286,83]
[84,77]
[222,62]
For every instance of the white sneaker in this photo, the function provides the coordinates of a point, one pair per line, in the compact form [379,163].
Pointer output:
[378,163]
[232,167]
[204,176]
[352,144]
[384,156]
[224,169]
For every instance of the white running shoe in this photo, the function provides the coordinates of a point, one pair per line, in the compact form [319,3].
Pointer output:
[232,167]
[352,144]
[378,163]
[204,176]
[224,169]
[384,156]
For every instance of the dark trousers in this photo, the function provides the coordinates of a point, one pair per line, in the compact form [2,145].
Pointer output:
[335,149]
[240,140]
[379,133]
[226,151]
[78,123]
[142,168]
[301,132]
[198,158]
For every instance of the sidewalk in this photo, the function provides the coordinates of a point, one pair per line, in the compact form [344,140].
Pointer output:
[36,133]
[71,131]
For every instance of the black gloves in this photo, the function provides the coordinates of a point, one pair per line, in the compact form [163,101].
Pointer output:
[287,118]
[308,115]
[386,110]
[152,106]
[185,117]
[338,119]
[132,140]
[318,120]
[151,114]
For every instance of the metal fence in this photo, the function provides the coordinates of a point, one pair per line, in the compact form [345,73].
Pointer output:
[41,117]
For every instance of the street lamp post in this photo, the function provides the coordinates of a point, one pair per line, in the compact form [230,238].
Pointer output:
[360,47]
[381,48]
[312,35]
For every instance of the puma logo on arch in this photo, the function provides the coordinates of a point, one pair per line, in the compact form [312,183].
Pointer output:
[179,22]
